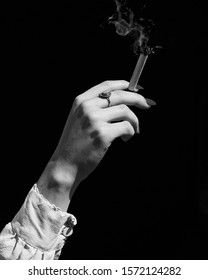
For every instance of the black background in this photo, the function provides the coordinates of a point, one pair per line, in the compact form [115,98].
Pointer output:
[148,199]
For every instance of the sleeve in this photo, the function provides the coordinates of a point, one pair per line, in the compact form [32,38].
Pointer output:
[37,232]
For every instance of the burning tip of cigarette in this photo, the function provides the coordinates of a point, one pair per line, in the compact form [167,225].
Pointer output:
[147,50]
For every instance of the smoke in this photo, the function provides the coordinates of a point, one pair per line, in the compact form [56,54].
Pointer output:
[126,25]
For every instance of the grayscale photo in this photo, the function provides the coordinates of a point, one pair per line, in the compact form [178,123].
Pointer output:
[104,153]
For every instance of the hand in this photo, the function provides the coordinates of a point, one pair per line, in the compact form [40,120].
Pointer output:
[92,125]
[91,128]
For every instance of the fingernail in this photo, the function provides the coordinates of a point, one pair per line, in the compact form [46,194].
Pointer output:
[138,87]
[150,102]
[138,130]
[126,138]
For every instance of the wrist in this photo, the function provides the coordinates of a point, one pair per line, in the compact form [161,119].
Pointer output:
[58,183]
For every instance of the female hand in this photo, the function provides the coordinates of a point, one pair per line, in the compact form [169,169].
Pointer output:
[90,129]
[92,125]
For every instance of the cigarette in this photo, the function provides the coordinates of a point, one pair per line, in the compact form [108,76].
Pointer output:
[137,71]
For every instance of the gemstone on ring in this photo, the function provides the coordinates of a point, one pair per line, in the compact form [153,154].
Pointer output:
[106,95]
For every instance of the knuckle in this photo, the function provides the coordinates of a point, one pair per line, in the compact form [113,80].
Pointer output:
[85,107]
[92,116]
[123,108]
[128,128]
[78,100]
[107,83]
[101,133]
[120,95]
[126,83]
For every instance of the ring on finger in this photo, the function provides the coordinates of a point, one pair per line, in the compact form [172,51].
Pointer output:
[106,95]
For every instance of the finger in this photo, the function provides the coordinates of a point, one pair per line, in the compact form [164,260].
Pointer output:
[123,97]
[104,87]
[130,98]
[120,129]
[118,113]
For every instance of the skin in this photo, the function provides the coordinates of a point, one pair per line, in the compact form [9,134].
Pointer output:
[90,129]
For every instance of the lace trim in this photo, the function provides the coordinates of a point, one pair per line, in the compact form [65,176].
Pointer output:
[53,206]
[71,221]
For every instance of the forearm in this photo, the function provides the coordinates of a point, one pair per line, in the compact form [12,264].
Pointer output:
[58,183]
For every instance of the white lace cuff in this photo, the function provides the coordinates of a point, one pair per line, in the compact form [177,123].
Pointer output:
[38,231]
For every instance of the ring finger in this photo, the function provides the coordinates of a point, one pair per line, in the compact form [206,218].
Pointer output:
[118,97]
